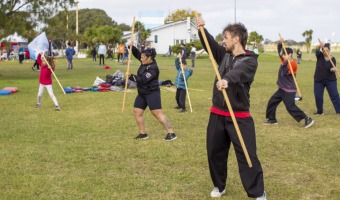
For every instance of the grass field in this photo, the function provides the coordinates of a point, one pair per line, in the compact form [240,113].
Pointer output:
[87,150]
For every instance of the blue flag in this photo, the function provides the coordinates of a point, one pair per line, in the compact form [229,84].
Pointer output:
[39,44]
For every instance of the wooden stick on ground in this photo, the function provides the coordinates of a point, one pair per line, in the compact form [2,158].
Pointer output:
[128,67]
[225,96]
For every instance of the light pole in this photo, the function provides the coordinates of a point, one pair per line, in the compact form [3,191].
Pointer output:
[77,25]
[235,11]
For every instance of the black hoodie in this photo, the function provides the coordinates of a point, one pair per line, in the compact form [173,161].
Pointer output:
[238,71]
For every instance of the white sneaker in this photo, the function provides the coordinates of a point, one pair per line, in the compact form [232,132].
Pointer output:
[216,192]
[264,197]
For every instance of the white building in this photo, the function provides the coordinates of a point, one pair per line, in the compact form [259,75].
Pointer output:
[170,34]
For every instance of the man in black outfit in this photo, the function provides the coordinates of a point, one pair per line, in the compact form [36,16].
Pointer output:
[237,68]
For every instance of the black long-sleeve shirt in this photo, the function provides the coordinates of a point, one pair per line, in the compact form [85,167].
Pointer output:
[239,71]
[323,67]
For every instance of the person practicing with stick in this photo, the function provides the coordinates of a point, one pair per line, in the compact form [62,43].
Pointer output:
[286,91]
[45,80]
[237,68]
[182,84]
[149,93]
[324,77]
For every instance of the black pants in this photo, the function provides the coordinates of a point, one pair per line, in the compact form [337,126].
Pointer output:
[180,97]
[220,134]
[120,56]
[101,57]
[288,99]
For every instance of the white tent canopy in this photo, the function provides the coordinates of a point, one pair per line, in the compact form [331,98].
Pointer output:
[14,38]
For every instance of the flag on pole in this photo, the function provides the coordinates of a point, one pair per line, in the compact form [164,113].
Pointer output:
[39,44]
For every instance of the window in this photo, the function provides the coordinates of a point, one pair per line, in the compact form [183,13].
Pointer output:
[156,38]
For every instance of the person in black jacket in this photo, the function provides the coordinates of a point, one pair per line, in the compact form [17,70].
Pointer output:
[324,77]
[148,92]
[237,68]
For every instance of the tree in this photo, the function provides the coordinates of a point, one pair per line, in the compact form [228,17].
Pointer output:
[107,34]
[22,16]
[143,33]
[308,38]
[254,38]
[180,15]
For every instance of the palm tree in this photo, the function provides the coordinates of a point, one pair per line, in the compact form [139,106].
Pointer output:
[308,38]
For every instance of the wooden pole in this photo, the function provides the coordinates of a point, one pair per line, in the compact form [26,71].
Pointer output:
[291,69]
[128,67]
[330,59]
[225,96]
[185,83]
[49,66]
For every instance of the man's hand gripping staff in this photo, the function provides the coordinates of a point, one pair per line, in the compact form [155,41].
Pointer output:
[221,85]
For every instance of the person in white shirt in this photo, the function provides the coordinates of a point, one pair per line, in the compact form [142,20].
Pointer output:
[101,53]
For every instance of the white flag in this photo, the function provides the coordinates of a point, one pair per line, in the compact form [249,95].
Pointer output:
[39,44]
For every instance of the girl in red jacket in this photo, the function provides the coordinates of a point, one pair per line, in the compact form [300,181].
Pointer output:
[45,80]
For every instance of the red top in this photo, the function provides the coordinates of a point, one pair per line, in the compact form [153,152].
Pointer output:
[45,73]
[292,63]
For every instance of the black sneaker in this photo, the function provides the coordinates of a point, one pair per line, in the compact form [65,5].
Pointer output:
[183,110]
[308,122]
[170,136]
[270,122]
[142,136]
[177,107]
[37,105]
[318,113]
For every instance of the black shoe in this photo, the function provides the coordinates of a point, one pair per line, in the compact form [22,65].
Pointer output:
[170,136]
[183,110]
[270,122]
[142,136]
[308,122]
[177,107]
[33,68]
[318,113]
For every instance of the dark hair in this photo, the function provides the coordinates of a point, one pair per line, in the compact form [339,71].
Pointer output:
[237,29]
[289,50]
[69,43]
[184,62]
[150,52]
[327,45]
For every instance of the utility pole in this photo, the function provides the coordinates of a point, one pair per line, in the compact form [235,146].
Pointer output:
[77,1]
[235,11]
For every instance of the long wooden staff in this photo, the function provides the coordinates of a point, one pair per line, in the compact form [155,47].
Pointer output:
[128,67]
[185,83]
[225,96]
[330,59]
[291,69]
[49,66]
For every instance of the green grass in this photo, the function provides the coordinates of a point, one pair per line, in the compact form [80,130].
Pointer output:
[87,150]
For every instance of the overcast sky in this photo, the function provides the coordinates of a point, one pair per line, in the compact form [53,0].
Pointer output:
[267,17]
